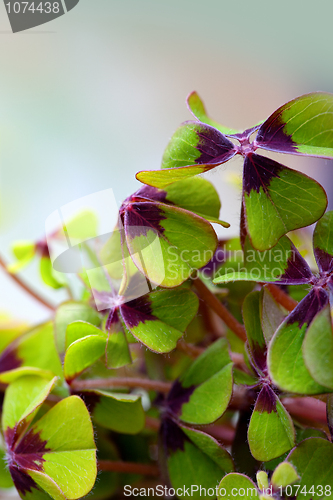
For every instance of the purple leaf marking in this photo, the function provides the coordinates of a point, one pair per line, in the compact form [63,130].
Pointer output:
[213,146]
[140,217]
[309,307]
[324,260]
[297,271]
[173,438]
[271,135]
[26,454]
[266,401]
[9,359]
[178,396]
[137,311]
[259,171]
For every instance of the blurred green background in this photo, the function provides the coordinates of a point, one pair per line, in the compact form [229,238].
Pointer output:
[92,97]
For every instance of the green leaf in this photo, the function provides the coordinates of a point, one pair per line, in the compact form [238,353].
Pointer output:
[47,484]
[318,348]
[196,460]
[119,412]
[71,311]
[12,375]
[278,199]
[323,243]
[163,178]
[272,314]
[255,336]
[23,398]
[209,381]
[313,460]
[24,251]
[48,274]
[167,243]
[117,350]
[302,126]
[210,400]
[193,149]
[237,486]
[329,412]
[282,263]
[240,450]
[197,108]
[69,457]
[35,349]
[79,329]
[83,353]
[108,483]
[302,434]
[286,362]
[160,318]
[9,331]
[210,447]
[195,142]
[271,431]
[112,257]
[36,493]
[82,226]
[284,474]
[196,195]
[86,344]
[5,477]
[242,378]
[262,480]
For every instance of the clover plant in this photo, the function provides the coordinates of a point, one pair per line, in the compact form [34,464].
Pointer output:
[189,365]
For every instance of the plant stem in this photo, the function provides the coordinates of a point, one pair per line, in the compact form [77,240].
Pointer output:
[191,350]
[282,297]
[152,423]
[307,407]
[26,287]
[220,309]
[329,414]
[194,351]
[221,433]
[128,467]
[106,383]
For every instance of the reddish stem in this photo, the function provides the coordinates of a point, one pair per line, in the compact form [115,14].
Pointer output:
[26,287]
[282,297]
[221,433]
[307,407]
[191,350]
[128,467]
[153,423]
[105,383]
[220,309]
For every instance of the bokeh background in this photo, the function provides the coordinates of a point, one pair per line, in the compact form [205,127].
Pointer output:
[92,97]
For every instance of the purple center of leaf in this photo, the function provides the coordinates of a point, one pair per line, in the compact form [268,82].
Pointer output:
[178,396]
[140,217]
[173,438]
[266,401]
[25,453]
[245,147]
[42,248]
[9,360]
[137,311]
